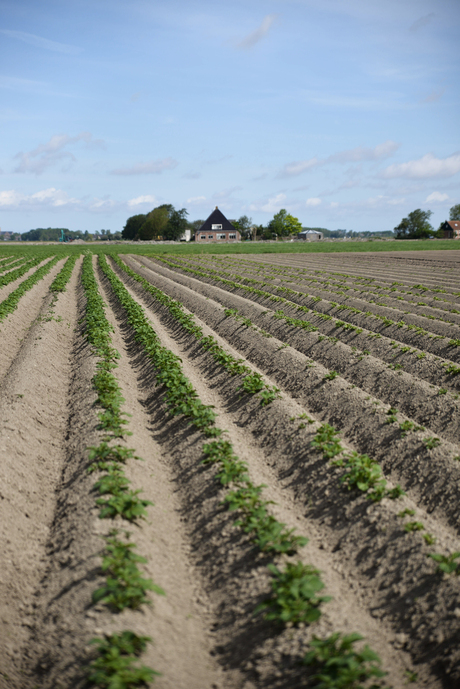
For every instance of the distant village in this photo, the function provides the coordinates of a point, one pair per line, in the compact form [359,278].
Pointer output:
[165,223]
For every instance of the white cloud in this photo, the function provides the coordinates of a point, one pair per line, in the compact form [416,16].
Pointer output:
[436,197]
[363,153]
[273,205]
[154,167]
[50,198]
[196,200]
[353,155]
[424,168]
[102,205]
[297,167]
[40,42]
[257,35]
[142,199]
[46,155]
[313,202]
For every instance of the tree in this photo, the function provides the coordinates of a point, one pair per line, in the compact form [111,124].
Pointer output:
[293,225]
[283,224]
[194,225]
[155,223]
[454,213]
[415,226]
[133,225]
[177,225]
[243,225]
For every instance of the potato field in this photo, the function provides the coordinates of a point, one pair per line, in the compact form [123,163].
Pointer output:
[229,471]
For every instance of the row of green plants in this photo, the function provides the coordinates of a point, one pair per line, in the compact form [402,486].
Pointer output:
[343,289]
[450,369]
[264,268]
[252,382]
[179,263]
[363,474]
[116,665]
[10,263]
[9,304]
[59,283]
[296,589]
[19,272]
[391,417]
[301,295]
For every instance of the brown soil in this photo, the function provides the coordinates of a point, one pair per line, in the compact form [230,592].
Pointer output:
[205,633]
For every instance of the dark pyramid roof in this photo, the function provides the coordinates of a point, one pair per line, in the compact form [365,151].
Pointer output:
[217,218]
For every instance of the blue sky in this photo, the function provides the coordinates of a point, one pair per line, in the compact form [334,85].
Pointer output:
[344,113]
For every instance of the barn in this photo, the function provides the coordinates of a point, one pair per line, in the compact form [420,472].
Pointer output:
[309,235]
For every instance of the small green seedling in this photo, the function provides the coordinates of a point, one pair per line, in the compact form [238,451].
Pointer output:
[294,596]
[413,526]
[339,666]
[115,665]
[331,375]
[429,538]
[431,443]
[446,563]
[406,513]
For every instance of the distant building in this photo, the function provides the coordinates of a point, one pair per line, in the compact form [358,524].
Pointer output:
[451,229]
[309,235]
[217,229]
[186,237]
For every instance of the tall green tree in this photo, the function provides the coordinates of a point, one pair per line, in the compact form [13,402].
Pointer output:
[293,225]
[133,225]
[415,226]
[177,224]
[155,223]
[454,213]
[243,225]
[283,224]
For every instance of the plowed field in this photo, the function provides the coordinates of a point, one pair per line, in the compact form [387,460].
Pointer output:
[289,416]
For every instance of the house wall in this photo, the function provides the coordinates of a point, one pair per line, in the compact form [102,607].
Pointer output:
[452,230]
[218,236]
[310,236]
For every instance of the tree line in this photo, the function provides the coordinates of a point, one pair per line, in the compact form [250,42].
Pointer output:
[417,224]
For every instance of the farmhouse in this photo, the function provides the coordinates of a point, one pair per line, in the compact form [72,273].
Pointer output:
[217,229]
[451,229]
[309,235]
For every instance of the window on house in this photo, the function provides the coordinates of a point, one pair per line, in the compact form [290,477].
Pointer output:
[220,236]
[202,236]
[216,227]
[210,236]
[232,236]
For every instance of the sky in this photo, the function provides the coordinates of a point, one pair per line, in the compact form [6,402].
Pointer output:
[346,114]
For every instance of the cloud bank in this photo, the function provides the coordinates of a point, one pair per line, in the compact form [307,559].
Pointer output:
[46,155]
[425,168]
[353,155]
